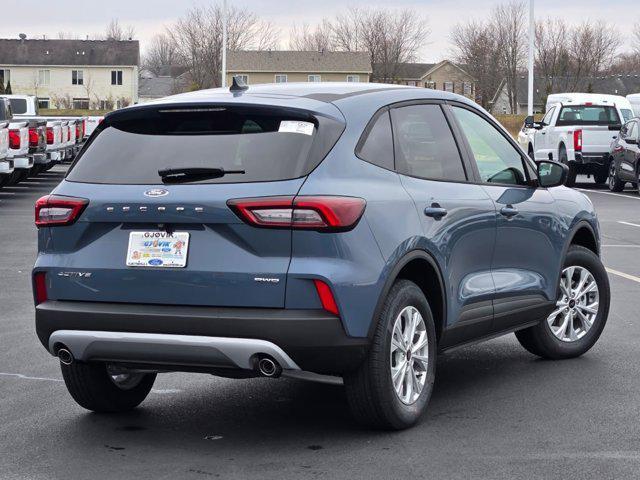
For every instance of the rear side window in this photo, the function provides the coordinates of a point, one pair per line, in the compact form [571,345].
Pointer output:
[626,114]
[425,146]
[588,115]
[18,105]
[266,143]
[377,147]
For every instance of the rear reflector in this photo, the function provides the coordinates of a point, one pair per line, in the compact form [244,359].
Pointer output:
[53,210]
[326,297]
[40,287]
[324,213]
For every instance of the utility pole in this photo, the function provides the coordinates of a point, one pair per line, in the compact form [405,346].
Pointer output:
[532,32]
[224,43]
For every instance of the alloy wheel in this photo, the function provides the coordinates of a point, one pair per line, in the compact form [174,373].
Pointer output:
[577,307]
[409,356]
[612,176]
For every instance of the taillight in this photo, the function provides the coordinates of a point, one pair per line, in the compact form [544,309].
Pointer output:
[577,140]
[40,287]
[49,135]
[78,132]
[324,213]
[54,210]
[33,137]
[326,297]
[14,139]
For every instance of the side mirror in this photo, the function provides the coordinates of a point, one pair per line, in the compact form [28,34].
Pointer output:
[528,122]
[615,128]
[552,174]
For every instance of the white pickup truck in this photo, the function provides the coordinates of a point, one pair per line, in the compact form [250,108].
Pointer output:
[578,134]
[6,165]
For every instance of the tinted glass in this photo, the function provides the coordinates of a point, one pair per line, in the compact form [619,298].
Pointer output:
[626,114]
[588,115]
[267,146]
[378,145]
[18,105]
[425,146]
[497,159]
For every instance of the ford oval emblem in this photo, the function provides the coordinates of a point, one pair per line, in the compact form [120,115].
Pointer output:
[156,192]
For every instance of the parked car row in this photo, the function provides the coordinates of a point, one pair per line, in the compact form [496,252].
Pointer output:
[31,143]
[577,130]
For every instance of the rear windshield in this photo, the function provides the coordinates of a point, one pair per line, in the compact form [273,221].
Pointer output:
[588,115]
[267,144]
[18,105]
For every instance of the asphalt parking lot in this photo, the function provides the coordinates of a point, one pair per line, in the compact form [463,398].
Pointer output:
[496,412]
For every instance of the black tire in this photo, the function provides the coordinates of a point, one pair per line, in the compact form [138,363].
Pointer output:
[539,339]
[92,388]
[613,182]
[370,391]
[573,173]
[600,177]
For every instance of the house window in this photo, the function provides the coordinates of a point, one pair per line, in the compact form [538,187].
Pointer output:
[448,87]
[242,78]
[43,103]
[44,78]
[411,83]
[77,77]
[116,77]
[353,78]
[5,76]
[280,78]
[81,103]
[430,84]
[314,78]
[467,89]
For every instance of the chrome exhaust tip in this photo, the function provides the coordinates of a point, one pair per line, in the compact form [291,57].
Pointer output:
[65,356]
[268,367]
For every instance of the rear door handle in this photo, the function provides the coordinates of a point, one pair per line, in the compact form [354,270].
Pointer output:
[435,211]
[509,211]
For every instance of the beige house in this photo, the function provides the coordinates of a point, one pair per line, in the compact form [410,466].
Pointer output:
[72,73]
[292,66]
[445,75]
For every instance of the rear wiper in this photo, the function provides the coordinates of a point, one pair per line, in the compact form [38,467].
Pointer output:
[194,174]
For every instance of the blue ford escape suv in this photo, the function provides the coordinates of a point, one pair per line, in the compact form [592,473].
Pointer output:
[309,230]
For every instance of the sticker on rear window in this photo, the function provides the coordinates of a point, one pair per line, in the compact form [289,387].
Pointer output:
[292,126]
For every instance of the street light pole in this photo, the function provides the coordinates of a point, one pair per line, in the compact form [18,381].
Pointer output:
[224,43]
[532,31]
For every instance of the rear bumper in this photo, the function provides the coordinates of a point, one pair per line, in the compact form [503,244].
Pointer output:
[313,340]
[6,167]
[595,159]
[23,163]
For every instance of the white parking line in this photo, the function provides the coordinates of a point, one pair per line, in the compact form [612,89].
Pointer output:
[620,246]
[586,190]
[628,223]
[623,275]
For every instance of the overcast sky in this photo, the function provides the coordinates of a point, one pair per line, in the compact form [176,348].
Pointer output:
[88,17]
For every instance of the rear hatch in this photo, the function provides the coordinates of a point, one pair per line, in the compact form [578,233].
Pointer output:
[145,239]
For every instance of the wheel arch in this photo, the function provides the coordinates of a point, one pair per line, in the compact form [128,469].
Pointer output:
[421,268]
[583,234]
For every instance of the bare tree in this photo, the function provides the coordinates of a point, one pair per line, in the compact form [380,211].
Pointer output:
[198,40]
[553,61]
[475,47]
[592,47]
[390,37]
[508,20]
[161,53]
[318,39]
[117,32]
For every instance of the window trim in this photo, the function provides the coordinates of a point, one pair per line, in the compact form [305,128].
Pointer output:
[46,72]
[354,76]
[79,81]
[314,75]
[275,77]
[528,165]
[365,135]
[119,73]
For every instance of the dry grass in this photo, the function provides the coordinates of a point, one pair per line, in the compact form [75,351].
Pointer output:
[49,112]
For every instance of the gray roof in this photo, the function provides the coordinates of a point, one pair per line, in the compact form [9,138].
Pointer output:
[414,71]
[293,61]
[157,87]
[69,52]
